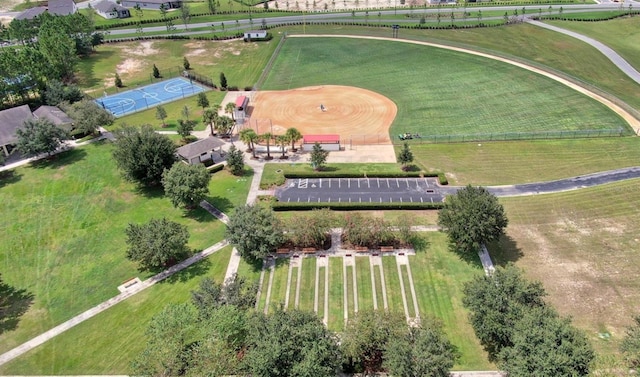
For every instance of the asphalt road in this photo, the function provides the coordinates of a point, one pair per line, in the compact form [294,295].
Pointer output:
[423,190]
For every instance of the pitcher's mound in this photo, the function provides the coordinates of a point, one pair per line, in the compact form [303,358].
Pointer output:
[359,116]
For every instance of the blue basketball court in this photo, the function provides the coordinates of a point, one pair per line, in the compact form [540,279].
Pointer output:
[148,96]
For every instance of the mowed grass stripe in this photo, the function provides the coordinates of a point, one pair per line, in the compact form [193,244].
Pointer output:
[438,276]
[407,291]
[293,288]
[454,93]
[349,289]
[392,280]
[378,284]
[363,277]
[264,287]
[321,290]
[107,343]
[336,294]
[307,284]
[279,288]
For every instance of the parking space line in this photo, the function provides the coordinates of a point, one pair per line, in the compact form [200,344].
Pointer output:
[369,199]
[432,199]
[411,197]
[426,181]
[397,182]
[339,182]
[349,182]
[421,201]
[339,199]
[388,183]
[329,199]
[298,199]
[378,182]
[407,182]
[320,183]
[330,182]
[358,183]
[368,183]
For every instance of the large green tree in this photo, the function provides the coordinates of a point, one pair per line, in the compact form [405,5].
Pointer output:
[168,336]
[546,345]
[250,138]
[405,157]
[255,231]
[235,160]
[38,136]
[294,135]
[497,302]
[318,157]
[88,116]
[186,185]
[423,351]
[58,48]
[142,155]
[367,336]
[159,243]
[630,345]
[56,92]
[471,217]
[292,343]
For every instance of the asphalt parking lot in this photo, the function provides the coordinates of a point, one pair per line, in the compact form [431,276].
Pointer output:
[355,190]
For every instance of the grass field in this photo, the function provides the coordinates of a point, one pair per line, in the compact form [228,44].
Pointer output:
[63,224]
[621,34]
[539,46]
[495,163]
[107,343]
[583,245]
[241,62]
[469,99]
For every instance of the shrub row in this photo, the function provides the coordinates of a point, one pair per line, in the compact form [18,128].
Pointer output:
[295,206]
[215,168]
[372,24]
[601,18]
[442,179]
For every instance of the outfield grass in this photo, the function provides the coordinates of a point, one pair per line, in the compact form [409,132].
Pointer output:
[470,99]
[107,343]
[64,240]
[174,112]
[583,246]
[531,43]
[621,34]
[241,62]
[495,163]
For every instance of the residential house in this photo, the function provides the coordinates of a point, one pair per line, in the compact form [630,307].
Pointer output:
[108,9]
[152,4]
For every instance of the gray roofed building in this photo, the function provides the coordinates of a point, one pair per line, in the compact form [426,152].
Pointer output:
[202,150]
[10,121]
[108,9]
[31,13]
[62,7]
[152,4]
[55,115]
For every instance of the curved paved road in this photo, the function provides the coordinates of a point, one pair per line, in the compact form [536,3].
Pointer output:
[604,49]
[425,190]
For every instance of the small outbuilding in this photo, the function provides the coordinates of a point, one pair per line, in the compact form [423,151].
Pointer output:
[209,149]
[55,115]
[254,34]
[240,112]
[110,10]
[327,142]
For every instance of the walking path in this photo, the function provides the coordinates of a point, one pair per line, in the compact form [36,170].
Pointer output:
[608,52]
[134,289]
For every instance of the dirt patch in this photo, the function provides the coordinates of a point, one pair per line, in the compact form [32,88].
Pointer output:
[359,116]
[130,65]
[141,49]
[8,5]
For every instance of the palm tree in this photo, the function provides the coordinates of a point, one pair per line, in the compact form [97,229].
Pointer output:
[282,141]
[210,116]
[267,136]
[224,125]
[229,109]
[293,135]
[249,137]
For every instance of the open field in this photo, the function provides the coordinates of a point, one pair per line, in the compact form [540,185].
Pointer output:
[497,163]
[583,245]
[621,34]
[63,224]
[469,99]
[533,44]
[241,62]
[107,343]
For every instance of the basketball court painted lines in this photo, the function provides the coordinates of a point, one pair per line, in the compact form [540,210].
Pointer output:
[148,96]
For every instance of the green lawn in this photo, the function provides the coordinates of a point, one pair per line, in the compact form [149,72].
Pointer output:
[293,289]
[583,246]
[174,112]
[363,277]
[107,343]
[378,287]
[407,291]
[321,288]
[495,163]
[470,99]
[392,281]
[64,222]
[535,45]
[279,287]
[621,34]
[307,284]
[336,295]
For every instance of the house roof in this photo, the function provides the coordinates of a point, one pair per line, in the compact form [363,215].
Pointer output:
[154,1]
[31,13]
[256,32]
[308,139]
[10,121]
[199,147]
[54,114]
[61,7]
[107,6]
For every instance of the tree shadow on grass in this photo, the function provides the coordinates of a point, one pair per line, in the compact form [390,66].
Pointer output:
[200,215]
[197,269]
[504,251]
[59,160]
[255,264]
[13,304]
[221,203]
[150,192]
[470,257]
[8,177]
[420,244]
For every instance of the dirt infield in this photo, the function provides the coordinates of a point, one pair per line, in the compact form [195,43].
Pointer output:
[358,115]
